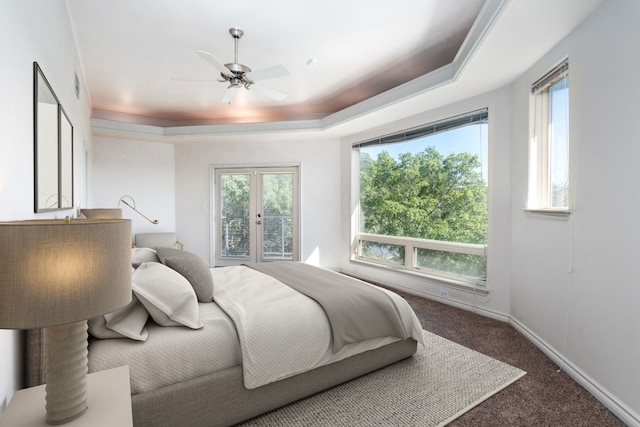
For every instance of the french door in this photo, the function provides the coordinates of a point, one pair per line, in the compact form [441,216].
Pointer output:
[256,214]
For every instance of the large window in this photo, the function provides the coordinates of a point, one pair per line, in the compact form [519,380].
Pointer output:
[549,151]
[423,199]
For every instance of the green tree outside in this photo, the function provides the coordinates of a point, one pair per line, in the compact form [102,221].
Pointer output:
[276,214]
[426,195]
[277,211]
[235,215]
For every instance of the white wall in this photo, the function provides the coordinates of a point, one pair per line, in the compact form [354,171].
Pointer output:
[32,31]
[574,284]
[320,188]
[497,303]
[142,170]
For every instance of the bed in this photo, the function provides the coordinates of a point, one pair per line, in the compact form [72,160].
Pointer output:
[252,343]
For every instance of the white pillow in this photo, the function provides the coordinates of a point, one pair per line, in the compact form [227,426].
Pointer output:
[167,295]
[126,322]
[140,255]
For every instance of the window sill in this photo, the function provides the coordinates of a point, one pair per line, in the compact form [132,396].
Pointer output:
[441,280]
[559,213]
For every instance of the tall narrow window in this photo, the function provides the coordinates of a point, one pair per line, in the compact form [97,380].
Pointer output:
[549,152]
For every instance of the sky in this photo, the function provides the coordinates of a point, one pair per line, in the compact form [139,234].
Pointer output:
[559,131]
[472,139]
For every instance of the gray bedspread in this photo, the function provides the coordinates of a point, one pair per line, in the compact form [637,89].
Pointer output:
[357,311]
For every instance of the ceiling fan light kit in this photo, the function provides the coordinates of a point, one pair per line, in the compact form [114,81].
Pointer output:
[238,75]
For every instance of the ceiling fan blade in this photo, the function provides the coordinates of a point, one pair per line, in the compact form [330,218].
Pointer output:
[213,61]
[268,73]
[229,95]
[267,91]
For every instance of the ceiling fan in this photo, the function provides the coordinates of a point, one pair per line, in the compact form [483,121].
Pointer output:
[239,75]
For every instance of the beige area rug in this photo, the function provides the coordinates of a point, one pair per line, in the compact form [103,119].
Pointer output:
[439,383]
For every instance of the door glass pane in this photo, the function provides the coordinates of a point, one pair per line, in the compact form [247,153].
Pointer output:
[234,222]
[277,216]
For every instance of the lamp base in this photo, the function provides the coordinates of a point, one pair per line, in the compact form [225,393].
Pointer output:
[66,389]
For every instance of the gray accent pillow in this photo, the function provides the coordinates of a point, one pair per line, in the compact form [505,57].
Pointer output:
[192,267]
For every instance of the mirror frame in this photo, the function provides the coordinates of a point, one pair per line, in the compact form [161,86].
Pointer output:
[53,148]
[66,161]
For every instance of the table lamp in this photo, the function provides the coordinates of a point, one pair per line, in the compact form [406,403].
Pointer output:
[102,213]
[57,274]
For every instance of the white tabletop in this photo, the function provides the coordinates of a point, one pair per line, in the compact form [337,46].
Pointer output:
[108,401]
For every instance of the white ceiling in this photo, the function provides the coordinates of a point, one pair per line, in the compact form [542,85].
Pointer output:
[135,53]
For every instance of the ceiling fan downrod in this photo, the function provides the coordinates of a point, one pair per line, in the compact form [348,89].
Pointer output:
[236,68]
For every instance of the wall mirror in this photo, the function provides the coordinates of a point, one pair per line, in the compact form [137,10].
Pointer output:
[53,148]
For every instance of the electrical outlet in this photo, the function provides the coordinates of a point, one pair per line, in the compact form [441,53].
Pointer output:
[444,293]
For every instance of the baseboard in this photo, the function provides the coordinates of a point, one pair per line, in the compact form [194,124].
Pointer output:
[620,410]
[454,303]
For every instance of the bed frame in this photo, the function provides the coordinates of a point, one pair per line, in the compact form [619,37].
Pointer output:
[220,399]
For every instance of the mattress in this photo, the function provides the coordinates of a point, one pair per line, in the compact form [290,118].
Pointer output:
[174,354]
[171,354]
[283,332]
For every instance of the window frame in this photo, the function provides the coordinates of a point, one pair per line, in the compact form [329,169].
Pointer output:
[410,244]
[540,184]
[256,174]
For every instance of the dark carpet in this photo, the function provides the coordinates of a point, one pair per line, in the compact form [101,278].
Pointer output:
[543,397]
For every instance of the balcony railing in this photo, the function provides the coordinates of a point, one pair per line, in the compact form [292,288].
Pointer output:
[277,237]
[277,240]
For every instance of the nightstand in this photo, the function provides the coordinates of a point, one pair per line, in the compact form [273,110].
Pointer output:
[108,401]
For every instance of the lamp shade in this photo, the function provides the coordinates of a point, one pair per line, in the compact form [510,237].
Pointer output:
[54,272]
[102,213]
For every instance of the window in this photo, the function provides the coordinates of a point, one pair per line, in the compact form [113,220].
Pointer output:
[549,151]
[256,214]
[423,196]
